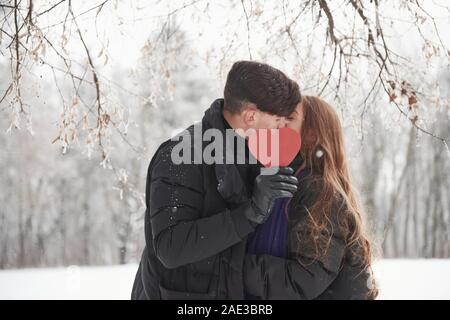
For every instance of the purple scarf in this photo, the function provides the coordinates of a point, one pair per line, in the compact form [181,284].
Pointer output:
[271,236]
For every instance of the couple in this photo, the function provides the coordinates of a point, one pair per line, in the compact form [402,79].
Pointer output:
[226,231]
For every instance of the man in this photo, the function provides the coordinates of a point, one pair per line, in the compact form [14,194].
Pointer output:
[199,215]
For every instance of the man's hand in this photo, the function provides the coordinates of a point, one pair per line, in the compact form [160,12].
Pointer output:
[267,189]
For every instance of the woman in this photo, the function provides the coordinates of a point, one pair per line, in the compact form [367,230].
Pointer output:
[314,246]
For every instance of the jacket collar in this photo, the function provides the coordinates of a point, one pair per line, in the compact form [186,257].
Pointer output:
[230,183]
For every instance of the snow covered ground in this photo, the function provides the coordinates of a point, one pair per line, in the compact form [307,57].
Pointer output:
[397,279]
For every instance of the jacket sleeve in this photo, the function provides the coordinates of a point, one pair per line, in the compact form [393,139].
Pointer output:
[181,235]
[300,275]
[270,277]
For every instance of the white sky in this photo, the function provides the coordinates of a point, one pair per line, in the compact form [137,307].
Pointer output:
[126,24]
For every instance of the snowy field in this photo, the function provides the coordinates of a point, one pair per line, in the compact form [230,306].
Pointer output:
[397,279]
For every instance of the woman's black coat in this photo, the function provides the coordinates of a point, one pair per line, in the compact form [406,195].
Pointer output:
[335,275]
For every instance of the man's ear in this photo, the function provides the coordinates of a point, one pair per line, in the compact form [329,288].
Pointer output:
[249,116]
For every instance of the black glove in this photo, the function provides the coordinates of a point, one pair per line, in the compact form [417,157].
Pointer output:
[267,189]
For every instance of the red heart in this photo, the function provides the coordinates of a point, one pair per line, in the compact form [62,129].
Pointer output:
[274,147]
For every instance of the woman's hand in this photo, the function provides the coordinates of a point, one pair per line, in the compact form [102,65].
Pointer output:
[269,188]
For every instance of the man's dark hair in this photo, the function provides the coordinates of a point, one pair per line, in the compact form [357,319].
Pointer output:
[258,83]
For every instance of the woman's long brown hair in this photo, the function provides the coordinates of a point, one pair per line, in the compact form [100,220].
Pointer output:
[326,157]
